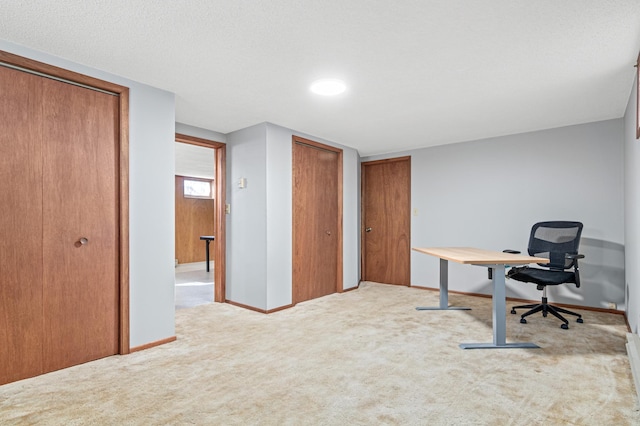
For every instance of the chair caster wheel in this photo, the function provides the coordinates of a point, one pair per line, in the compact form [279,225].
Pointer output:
[513,311]
[580,320]
[564,327]
[523,321]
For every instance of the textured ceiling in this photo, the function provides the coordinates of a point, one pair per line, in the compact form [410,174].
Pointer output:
[195,161]
[419,72]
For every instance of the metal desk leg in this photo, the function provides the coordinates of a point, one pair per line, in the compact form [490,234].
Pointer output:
[444,291]
[499,317]
[207,251]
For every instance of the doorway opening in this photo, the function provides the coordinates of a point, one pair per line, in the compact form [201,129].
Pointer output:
[199,221]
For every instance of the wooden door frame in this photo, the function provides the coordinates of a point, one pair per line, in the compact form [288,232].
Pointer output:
[122,152]
[362,204]
[219,248]
[339,254]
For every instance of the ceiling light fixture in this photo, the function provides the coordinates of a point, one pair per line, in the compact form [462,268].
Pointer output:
[328,87]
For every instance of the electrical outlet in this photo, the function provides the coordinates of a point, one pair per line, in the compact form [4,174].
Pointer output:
[612,305]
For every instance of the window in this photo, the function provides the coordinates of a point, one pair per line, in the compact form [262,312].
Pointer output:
[197,188]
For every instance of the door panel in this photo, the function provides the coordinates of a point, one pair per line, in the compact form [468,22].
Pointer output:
[20,226]
[387,221]
[80,200]
[316,225]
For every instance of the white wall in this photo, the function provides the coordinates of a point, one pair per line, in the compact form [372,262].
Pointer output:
[632,211]
[351,218]
[247,223]
[151,200]
[263,154]
[199,132]
[488,193]
[280,217]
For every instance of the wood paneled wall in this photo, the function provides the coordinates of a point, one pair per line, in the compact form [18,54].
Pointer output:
[194,217]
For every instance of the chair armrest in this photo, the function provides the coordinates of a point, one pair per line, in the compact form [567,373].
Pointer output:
[574,258]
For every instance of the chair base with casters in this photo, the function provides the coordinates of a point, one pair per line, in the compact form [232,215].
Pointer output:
[546,308]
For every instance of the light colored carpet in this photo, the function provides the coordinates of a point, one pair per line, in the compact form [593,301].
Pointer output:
[365,357]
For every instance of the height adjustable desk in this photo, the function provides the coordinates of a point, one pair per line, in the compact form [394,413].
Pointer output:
[496,260]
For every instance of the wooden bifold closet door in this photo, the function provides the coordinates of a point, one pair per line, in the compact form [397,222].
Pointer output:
[59,297]
[317,223]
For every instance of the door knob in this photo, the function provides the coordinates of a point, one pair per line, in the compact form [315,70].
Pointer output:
[328,232]
[368,230]
[82,241]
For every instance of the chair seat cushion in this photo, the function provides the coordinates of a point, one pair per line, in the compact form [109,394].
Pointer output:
[541,276]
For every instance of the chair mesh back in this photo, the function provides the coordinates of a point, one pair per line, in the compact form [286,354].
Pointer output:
[553,240]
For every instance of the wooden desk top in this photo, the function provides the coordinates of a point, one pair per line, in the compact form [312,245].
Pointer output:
[476,256]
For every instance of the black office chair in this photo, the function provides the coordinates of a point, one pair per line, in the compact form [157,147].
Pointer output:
[558,242]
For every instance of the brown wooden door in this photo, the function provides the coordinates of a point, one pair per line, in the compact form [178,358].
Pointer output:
[20,226]
[386,219]
[59,173]
[317,229]
[79,201]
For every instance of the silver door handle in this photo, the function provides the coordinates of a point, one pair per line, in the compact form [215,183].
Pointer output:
[83,241]
[368,230]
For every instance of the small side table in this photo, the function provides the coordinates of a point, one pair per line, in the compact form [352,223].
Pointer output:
[208,239]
